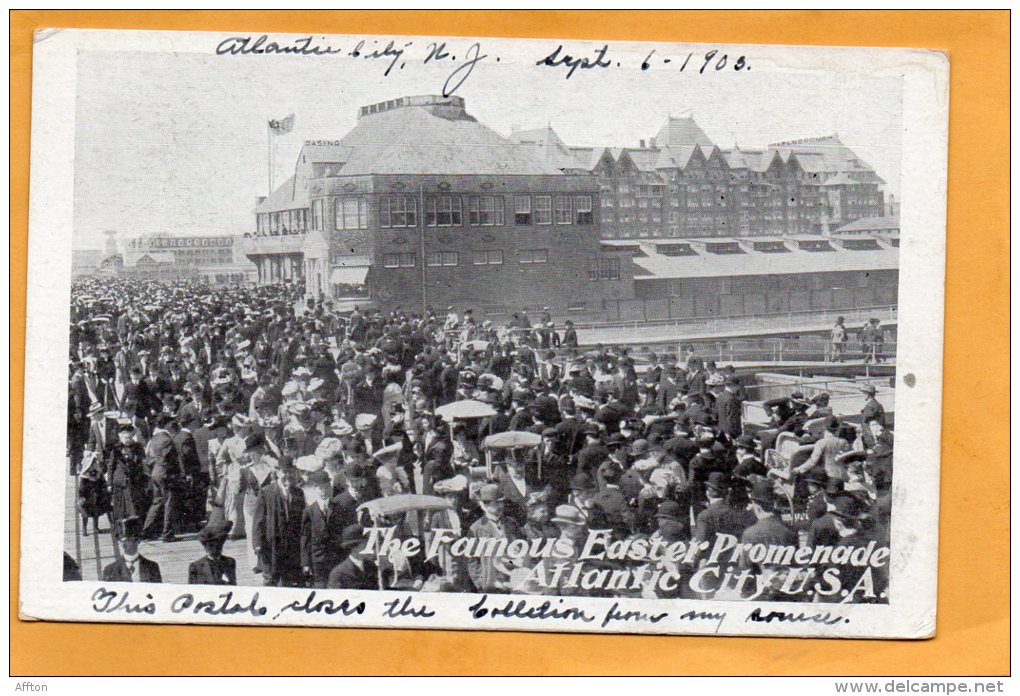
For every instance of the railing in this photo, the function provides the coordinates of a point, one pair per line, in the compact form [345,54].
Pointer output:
[280,244]
[803,349]
[884,313]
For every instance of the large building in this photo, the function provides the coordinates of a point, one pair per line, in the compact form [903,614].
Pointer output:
[681,184]
[420,205]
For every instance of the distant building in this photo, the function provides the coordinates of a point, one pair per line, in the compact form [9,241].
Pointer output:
[85,262]
[682,184]
[422,205]
[212,259]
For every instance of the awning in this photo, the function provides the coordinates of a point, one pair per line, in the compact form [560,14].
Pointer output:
[349,275]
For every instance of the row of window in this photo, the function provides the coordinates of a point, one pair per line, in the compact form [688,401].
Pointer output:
[485,257]
[351,212]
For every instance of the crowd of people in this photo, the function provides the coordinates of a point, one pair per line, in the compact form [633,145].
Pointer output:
[249,412]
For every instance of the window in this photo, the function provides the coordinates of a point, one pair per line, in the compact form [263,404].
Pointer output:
[563,210]
[443,211]
[522,210]
[398,211]
[488,258]
[604,269]
[496,311]
[576,307]
[485,210]
[582,206]
[442,258]
[534,256]
[543,210]
[351,213]
[399,260]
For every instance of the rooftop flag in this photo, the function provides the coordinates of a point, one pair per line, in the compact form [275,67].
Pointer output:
[282,126]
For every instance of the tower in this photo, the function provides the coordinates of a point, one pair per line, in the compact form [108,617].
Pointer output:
[112,247]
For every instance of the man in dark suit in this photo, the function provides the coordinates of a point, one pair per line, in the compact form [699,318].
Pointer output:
[138,398]
[358,571]
[131,566]
[164,467]
[277,529]
[214,568]
[101,433]
[192,503]
[321,530]
[593,452]
[729,409]
[719,517]
[611,501]
[769,529]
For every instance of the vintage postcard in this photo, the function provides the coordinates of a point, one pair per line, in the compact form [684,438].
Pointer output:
[539,335]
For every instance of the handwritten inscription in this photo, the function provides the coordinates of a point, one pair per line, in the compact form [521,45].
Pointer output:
[106,601]
[226,606]
[311,605]
[826,618]
[396,54]
[396,609]
[615,614]
[524,609]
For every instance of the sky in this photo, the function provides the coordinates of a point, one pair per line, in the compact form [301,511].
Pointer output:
[176,141]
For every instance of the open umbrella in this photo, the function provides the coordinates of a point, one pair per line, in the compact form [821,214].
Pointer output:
[467,408]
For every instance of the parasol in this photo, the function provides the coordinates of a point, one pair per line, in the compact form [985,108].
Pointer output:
[467,408]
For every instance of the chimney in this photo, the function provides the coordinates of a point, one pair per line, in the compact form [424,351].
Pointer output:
[641,144]
[651,143]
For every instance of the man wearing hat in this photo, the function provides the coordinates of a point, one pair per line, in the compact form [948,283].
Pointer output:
[276,529]
[670,522]
[815,481]
[321,529]
[729,409]
[593,452]
[719,517]
[193,497]
[838,338]
[826,452]
[848,516]
[163,463]
[495,523]
[214,568]
[748,461]
[610,500]
[768,529]
[358,570]
[131,566]
[100,431]
[872,410]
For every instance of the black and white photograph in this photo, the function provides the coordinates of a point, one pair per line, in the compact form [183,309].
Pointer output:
[484,333]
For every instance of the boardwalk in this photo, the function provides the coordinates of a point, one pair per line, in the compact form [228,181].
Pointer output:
[173,559]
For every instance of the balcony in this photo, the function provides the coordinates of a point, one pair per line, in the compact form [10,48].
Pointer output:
[258,246]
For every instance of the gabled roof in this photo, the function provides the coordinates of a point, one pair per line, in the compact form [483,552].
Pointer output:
[830,155]
[645,160]
[683,132]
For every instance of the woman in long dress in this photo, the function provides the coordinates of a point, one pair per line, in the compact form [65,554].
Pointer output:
[125,470]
